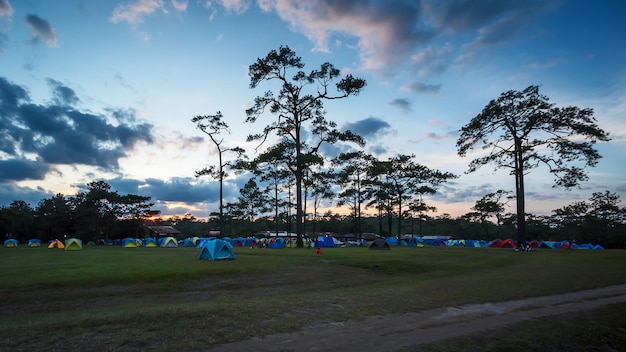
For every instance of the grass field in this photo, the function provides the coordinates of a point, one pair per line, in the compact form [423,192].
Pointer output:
[163,299]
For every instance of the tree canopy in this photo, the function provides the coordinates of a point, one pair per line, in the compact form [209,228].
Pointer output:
[299,110]
[521,130]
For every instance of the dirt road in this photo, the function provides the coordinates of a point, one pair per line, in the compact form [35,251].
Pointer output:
[392,332]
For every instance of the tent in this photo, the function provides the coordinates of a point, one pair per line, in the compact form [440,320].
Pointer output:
[392,241]
[379,244]
[128,243]
[508,243]
[251,242]
[73,244]
[34,242]
[278,243]
[56,244]
[168,242]
[497,243]
[10,243]
[190,242]
[216,250]
[472,243]
[415,242]
[238,241]
[328,242]
[149,242]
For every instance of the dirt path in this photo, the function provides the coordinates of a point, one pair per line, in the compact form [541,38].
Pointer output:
[392,332]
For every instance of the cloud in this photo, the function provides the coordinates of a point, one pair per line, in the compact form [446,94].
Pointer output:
[10,192]
[62,95]
[368,127]
[134,13]
[439,137]
[180,5]
[384,31]
[21,169]
[232,6]
[41,30]
[5,9]
[178,189]
[402,104]
[60,134]
[419,87]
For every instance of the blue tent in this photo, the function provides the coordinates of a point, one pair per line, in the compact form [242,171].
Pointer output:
[278,243]
[149,242]
[10,243]
[327,242]
[392,241]
[128,243]
[415,242]
[216,250]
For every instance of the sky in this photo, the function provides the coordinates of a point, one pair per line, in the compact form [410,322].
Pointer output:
[105,90]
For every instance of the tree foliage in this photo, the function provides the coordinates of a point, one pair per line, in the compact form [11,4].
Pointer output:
[521,130]
[299,109]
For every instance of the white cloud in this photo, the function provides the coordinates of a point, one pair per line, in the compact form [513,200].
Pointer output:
[134,13]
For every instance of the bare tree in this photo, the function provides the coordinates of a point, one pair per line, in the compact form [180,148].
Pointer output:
[213,126]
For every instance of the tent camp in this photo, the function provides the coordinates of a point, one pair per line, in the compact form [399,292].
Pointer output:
[34,242]
[10,243]
[73,244]
[216,250]
[56,244]
[379,244]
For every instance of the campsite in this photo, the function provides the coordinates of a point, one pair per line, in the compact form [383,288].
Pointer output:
[161,299]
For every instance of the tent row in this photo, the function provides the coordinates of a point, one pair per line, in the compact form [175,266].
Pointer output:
[320,242]
[497,243]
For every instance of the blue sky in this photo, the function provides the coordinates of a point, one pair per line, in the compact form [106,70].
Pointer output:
[105,90]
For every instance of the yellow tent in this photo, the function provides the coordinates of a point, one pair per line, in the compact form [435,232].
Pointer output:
[56,244]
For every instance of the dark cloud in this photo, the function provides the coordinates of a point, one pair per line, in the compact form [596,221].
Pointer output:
[41,30]
[438,137]
[5,8]
[367,127]
[10,192]
[186,190]
[58,133]
[62,95]
[402,104]
[419,87]
[21,169]
[454,191]
[465,15]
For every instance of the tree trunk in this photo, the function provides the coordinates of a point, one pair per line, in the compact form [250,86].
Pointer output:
[299,215]
[519,192]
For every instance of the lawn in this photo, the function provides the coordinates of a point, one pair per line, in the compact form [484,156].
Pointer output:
[161,299]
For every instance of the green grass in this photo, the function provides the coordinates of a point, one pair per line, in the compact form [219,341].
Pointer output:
[159,299]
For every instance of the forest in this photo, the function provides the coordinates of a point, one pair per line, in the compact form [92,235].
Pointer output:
[100,213]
